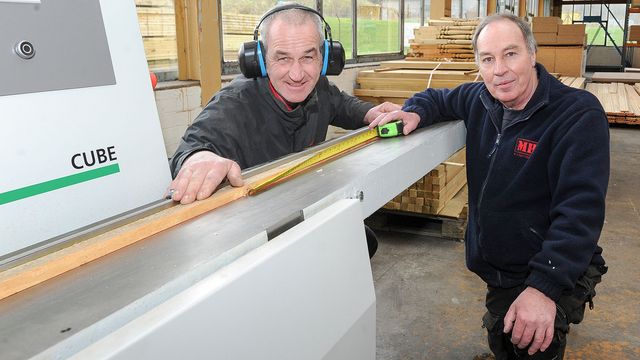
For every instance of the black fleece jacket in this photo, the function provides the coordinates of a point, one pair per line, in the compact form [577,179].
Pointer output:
[245,122]
[537,188]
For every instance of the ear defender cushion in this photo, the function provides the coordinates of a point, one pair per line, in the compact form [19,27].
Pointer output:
[261,62]
[325,57]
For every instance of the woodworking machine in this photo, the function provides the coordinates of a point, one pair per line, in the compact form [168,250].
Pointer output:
[284,274]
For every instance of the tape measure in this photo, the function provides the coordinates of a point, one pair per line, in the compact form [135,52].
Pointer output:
[349,144]
[391,129]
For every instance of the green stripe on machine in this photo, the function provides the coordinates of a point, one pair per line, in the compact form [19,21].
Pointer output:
[59,183]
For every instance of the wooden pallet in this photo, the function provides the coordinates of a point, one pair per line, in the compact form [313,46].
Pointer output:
[418,224]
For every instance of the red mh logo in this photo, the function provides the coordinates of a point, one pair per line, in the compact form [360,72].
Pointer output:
[524,148]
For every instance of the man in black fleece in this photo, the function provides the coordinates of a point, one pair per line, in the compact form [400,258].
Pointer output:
[537,171]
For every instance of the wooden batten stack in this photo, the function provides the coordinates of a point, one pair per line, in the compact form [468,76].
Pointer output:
[158,29]
[620,101]
[574,82]
[396,81]
[441,192]
[443,40]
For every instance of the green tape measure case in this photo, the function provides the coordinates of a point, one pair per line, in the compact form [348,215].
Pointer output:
[391,129]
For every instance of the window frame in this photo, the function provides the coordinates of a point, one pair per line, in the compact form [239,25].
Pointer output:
[233,67]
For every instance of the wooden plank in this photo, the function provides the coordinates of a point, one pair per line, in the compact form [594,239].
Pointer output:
[428,65]
[453,22]
[434,41]
[406,84]
[623,105]
[380,100]
[633,99]
[459,156]
[44,268]
[609,77]
[452,170]
[454,207]
[160,48]
[439,57]
[384,93]
[567,80]
[578,83]
[419,74]
[451,189]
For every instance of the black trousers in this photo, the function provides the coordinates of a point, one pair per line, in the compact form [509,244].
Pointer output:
[569,310]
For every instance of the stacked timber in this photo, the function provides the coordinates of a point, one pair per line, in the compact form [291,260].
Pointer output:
[158,29]
[443,40]
[442,192]
[620,101]
[396,81]
[574,82]
[237,29]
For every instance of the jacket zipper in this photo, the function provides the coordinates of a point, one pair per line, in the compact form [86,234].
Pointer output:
[536,233]
[497,144]
[486,179]
[491,153]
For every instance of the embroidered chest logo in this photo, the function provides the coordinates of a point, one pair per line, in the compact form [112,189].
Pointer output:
[524,148]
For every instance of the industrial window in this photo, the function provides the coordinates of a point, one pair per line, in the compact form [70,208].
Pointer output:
[510,6]
[372,30]
[532,8]
[239,19]
[604,23]
[339,15]
[412,20]
[369,31]
[378,27]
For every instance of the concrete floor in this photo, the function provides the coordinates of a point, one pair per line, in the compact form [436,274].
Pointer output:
[430,306]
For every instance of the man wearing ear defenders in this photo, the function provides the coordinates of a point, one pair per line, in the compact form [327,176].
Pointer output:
[282,104]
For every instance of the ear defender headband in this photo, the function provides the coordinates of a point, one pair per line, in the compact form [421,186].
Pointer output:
[251,55]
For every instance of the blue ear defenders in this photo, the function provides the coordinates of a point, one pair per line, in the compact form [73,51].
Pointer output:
[251,55]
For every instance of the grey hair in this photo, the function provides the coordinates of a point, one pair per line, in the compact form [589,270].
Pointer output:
[524,27]
[291,16]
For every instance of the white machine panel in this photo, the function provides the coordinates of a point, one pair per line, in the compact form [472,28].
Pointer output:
[306,294]
[87,146]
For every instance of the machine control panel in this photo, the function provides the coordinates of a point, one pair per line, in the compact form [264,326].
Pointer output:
[72,51]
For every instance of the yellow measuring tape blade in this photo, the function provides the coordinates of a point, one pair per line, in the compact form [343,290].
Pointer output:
[317,158]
